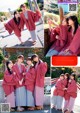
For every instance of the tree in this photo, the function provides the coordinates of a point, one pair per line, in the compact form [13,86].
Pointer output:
[1,57]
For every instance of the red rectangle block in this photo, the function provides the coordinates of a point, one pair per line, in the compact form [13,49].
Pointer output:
[64,60]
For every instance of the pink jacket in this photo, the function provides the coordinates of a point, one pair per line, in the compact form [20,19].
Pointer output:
[12,26]
[8,83]
[32,18]
[30,79]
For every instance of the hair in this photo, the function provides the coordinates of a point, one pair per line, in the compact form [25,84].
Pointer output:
[74,75]
[75,20]
[15,20]
[34,56]
[62,75]
[68,76]
[9,70]
[20,56]
[29,58]
[22,5]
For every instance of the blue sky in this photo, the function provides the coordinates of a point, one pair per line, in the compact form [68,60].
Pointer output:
[12,4]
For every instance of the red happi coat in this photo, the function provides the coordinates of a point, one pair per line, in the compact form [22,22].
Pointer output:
[72,90]
[8,83]
[30,79]
[75,44]
[19,75]
[53,33]
[60,43]
[12,26]
[58,91]
[32,18]
[40,71]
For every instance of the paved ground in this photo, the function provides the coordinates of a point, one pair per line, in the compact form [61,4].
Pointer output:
[76,107]
[7,40]
[46,110]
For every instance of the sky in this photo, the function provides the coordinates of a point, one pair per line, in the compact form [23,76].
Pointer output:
[12,4]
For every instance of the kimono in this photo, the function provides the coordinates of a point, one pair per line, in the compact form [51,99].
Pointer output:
[73,44]
[70,95]
[9,87]
[12,26]
[20,89]
[59,43]
[40,70]
[30,85]
[29,18]
[58,94]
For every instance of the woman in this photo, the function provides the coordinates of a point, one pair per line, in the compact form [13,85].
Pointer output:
[8,85]
[40,71]
[71,93]
[58,37]
[30,84]
[73,44]
[20,91]
[30,18]
[16,24]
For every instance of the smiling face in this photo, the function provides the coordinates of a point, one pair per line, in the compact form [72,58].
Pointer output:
[23,8]
[36,59]
[17,15]
[70,22]
[10,65]
[20,60]
[29,62]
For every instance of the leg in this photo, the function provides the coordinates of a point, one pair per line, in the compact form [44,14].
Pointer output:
[54,101]
[59,102]
[65,105]
[71,104]
[51,52]
[33,35]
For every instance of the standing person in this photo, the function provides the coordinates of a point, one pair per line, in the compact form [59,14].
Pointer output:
[73,46]
[20,70]
[16,24]
[30,84]
[30,18]
[71,93]
[40,70]
[8,85]
[58,93]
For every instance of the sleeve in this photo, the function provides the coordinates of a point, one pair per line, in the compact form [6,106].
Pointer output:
[36,15]
[22,23]
[9,27]
[8,77]
[63,35]
[43,68]
[60,85]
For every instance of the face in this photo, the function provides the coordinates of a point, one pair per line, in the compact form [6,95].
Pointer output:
[64,22]
[70,22]
[29,62]
[61,77]
[17,15]
[65,76]
[10,65]
[23,8]
[20,60]
[36,59]
[71,77]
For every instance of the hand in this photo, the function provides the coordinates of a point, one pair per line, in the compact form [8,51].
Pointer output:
[14,73]
[4,24]
[20,82]
[65,89]
[66,50]
[57,37]
[24,74]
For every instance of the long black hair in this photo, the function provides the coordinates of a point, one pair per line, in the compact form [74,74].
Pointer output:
[9,70]
[68,77]
[74,75]
[17,21]
[75,20]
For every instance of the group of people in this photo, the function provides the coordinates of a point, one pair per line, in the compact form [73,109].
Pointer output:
[65,38]
[26,17]
[24,84]
[65,88]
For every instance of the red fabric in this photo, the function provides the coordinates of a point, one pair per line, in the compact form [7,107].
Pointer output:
[60,43]
[59,88]
[75,44]
[32,18]
[30,79]
[40,74]
[19,75]
[8,83]
[12,26]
